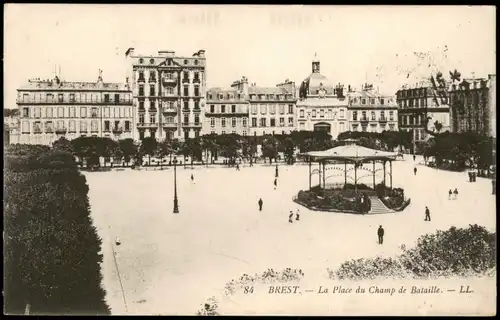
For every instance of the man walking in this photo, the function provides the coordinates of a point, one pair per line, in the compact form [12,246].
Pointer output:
[455,194]
[260,204]
[449,194]
[275,183]
[427,214]
[297,215]
[493,186]
[380,233]
[290,217]
[415,171]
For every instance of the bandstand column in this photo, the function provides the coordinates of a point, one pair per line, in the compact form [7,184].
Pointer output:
[324,175]
[310,167]
[355,176]
[390,166]
[373,174]
[319,173]
[345,172]
[384,172]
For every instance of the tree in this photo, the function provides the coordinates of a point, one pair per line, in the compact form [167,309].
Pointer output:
[128,149]
[164,149]
[438,126]
[63,144]
[148,147]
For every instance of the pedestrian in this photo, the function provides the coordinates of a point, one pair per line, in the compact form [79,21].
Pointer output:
[455,194]
[237,167]
[415,171]
[470,176]
[427,214]
[275,183]
[118,241]
[380,233]
[414,157]
[449,194]
[297,215]
[493,186]
[192,178]
[260,204]
[290,217]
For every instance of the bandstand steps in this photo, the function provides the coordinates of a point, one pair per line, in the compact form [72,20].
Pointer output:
[378,207]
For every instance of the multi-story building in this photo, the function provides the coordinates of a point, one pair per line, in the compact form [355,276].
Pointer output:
[321,106]
[272,109]
[421,107]
[226,110]
[168,94]
[11,126]
[49,109]
[473,105]
[371,111]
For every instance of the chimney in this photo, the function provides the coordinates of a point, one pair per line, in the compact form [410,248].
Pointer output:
[129,52]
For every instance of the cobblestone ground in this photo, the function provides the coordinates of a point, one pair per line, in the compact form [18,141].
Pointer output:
[170,263]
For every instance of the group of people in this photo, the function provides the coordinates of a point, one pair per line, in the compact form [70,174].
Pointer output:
[454,193]
[297,216]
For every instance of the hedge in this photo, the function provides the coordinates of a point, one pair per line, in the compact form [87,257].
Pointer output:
[51,248]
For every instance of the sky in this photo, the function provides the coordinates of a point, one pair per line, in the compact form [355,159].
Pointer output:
[388,46]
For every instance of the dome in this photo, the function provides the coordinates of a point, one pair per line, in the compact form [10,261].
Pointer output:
[315,83]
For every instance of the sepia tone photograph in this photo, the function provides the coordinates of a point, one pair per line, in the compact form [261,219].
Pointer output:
[212,160]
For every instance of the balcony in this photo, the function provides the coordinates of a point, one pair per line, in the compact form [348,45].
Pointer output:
[382,120]
[169,81]
[152,79]
[185,80]
[37,131]
[141,79]
[117,131]
[147,125]
[169,110]
[169,125]
[197,110]
[192,124]
[61,131]
[75,102]
[364,120]
[196,80]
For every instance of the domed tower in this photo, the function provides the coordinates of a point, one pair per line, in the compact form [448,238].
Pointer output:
[316,84]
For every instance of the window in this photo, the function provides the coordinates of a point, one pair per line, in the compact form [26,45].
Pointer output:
[233,122]
[382,101]
[196,91]
[363,128]
[152,106]
[244,122]
[391,115]
[282,122]
[363,101]
[60,112]
[37,112]
[141,90]
[212,122]
[290,109]
[60,97]
[72,97]
[254,122]
[94,125]
[363,115]
[141,118]
[342,113]
[223,122]
[152,92]
[263,109]
[37,128]
[49,112]
[212,108]
[244,133]
[94,112]
[372,101]
[254,109]
[106,125]
[186,119]
[282,109]
[272,109]
[373,116]
[50,97]
[127,125]
[141,75]
[290,121]
[273,122]
[106,98]
[222,109]
[302,113]
[196,119]
[391,126]
[314,114]
[48,127]
[152,74]
[186,105]
[355,116]
[262,122]
[321,113]
[72,112]
[223,132]
[186,91]
[382,115]
[152,118]
[170,91]
[233,108]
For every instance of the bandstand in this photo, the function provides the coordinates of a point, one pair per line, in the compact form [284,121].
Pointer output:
[352,155]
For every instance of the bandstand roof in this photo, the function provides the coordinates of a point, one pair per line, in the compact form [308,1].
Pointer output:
[352,152]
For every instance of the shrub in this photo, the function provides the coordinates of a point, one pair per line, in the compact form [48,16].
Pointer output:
[51,248]
[209,308]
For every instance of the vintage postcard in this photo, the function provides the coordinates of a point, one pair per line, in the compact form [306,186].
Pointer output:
[249,160]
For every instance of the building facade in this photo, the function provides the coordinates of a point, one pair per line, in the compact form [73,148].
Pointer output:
[321,106]
[371,111]
[11,127]
[422,107]
[168,94]
[272,109]
[49,109]
[473,106]
[226,110]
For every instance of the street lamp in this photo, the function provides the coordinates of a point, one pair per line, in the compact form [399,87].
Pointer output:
[176,204]
[276,160]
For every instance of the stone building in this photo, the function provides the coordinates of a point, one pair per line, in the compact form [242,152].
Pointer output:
[321,106]
[49,109]
[168,94]
[371,111]
[473,103]
[422,106]
[11,126]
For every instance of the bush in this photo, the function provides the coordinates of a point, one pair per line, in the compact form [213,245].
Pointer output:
[51,248]
[459,252]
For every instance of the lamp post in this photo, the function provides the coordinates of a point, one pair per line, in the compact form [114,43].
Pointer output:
[176,204]
[276,160]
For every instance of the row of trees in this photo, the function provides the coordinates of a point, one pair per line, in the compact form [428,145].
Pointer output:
[209,148]
[51,248]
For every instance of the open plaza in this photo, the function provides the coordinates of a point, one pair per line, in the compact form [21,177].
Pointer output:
[170,263]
